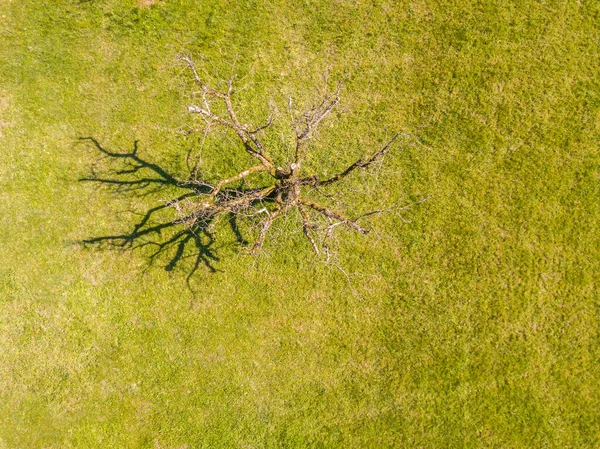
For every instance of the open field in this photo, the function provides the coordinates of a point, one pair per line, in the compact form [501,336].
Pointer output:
[473,321]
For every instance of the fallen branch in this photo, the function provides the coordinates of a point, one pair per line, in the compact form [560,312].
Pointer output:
[279,190]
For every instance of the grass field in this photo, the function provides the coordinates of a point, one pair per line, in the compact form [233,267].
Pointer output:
[473,322]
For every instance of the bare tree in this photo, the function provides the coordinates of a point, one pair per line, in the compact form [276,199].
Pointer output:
[286,192]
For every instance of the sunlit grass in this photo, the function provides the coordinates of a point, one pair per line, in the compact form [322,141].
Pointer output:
[473,322]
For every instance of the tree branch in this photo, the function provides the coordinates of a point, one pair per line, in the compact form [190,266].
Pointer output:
[241,175]
[313,181]
[331,214]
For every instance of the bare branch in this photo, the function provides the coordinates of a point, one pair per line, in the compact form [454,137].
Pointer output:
[358,164]
[241,175]
[248,138]
[205,88]
[332,214]
[192,67]
[265,126]
[292,119]
[312,118]
[306,227]
[266,225]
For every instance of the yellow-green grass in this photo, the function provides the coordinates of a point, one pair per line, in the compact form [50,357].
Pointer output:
[473,322]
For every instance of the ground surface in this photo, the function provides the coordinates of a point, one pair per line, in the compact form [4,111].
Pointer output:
[473,323]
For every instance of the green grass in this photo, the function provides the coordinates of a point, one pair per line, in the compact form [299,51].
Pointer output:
[474,323]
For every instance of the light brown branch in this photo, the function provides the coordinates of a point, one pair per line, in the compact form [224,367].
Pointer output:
[263,232]
[244,200]
[241,175]
[306,226]
[205,88]
[210,115]
[240,131]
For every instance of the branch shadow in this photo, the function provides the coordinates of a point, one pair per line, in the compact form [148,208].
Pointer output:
[167,238]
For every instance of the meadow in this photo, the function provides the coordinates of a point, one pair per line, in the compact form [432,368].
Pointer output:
[469,320]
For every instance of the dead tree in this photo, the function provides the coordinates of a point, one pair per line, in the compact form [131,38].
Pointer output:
[286,192]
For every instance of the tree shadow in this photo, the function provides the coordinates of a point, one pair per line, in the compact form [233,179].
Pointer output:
[168,238]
